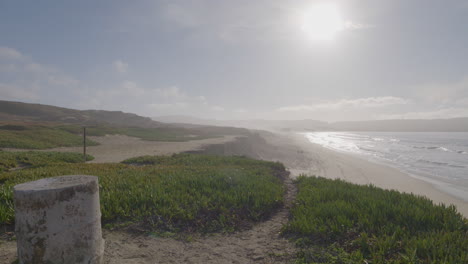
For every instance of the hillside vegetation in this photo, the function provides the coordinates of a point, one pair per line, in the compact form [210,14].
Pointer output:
[182,192]
[24,112]
[35,126]
[38,137]
[338,222]
[24,136]
[19,160]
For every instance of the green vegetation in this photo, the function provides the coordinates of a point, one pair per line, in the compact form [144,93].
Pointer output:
[338,222]
[38,137]
[179,193]
[11,160]
[48,136]
[150,134]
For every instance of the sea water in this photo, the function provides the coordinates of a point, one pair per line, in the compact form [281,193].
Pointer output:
[437,157]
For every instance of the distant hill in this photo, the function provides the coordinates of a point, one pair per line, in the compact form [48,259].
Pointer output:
[185,119]
[405,125]
[24,112]
[283,125]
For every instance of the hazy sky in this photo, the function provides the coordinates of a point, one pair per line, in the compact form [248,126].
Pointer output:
[239,59]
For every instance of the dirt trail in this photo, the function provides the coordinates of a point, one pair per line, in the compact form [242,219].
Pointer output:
[260,244]
[7,251]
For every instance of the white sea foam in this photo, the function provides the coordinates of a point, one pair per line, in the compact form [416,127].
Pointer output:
[440,156]
[333,140]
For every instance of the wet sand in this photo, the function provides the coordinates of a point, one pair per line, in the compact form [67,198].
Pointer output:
[333,164]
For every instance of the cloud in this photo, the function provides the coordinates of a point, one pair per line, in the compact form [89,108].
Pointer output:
[447,93]
[217,108]
[17,93]
[130,88]
[133,97]
[33,67]
[366,108]
[240,111]
[9,53]
[451,112]
[171,92]
[120,66]
[231,22]
[168,106]
[239,22]
[369,102]
[350,25]
[24,79]
[8,67]
[183,15]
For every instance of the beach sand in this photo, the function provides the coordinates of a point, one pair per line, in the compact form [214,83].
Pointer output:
[301,156]
[332,164]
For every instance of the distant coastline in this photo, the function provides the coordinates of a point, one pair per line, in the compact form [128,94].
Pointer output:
[397,125]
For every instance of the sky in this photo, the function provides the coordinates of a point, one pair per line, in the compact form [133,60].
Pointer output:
[246,59]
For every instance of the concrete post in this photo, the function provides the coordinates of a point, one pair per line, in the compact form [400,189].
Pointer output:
[58,220]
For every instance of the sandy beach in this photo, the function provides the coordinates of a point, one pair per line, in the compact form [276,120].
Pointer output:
[301,156]
[332,164]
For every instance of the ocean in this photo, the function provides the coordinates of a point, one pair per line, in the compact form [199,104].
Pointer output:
[437,157]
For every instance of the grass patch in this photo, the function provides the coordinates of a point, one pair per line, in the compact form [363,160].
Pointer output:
[38,137]
[192,193]
[175,134]
[51,136]
[10,160]
[338,222]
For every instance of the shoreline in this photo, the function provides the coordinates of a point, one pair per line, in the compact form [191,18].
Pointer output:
[352,168]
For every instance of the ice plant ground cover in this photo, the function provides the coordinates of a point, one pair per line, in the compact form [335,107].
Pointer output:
[179,193]
[338,222]
[28,136]
[18,160]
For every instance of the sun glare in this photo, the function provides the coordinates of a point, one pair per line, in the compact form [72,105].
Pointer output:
[322,22]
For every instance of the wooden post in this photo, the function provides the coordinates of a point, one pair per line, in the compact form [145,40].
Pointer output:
[84,144]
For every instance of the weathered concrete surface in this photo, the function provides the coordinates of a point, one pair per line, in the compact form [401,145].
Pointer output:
[58,220]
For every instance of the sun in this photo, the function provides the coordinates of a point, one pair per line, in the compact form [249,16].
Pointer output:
[322,21]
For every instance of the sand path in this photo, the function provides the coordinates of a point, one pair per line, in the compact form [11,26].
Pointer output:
[260,244]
